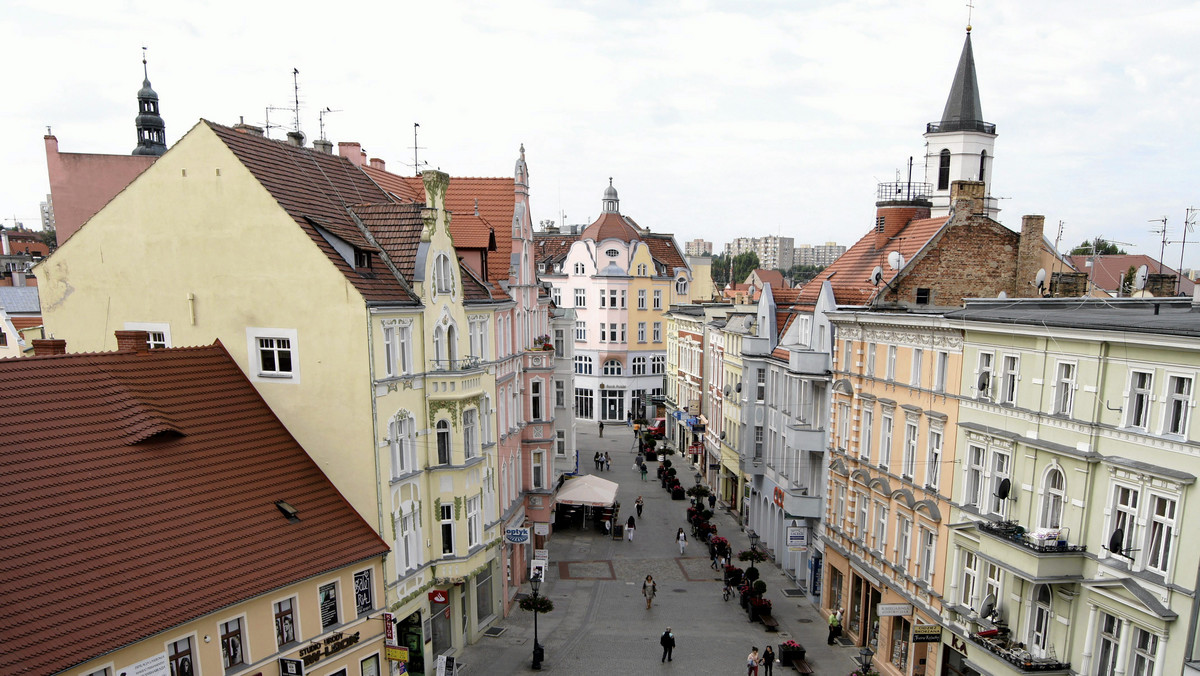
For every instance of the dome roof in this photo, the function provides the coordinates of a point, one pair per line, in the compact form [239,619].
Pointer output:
[610,193]
[610,225]
[146,92]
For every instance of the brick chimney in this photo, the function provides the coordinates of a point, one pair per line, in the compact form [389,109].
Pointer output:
[352,150]
[891,217]
[377,163]
[1029,256]
[973,192]
[133,341]
[47,346]
[323,145]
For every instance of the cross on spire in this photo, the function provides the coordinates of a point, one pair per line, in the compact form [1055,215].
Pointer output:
[970,8]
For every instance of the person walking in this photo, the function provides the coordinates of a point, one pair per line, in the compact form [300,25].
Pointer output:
[668,644]
[629,420]
[596,459]
[752,662]
[768,660]
[643,471]
[681,538]
[607,462]
[629,526]
[712,500]
[649,589]
[601,429]
[835,625]
[639,504]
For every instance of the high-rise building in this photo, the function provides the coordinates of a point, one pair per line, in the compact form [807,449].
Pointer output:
[698,247]
[774,252]
[817,254]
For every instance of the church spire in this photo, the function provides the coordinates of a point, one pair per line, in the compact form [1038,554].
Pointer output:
[963,111]
[151,131]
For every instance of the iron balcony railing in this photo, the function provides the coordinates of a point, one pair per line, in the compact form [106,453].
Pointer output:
[468,364]
[960,125]
[903,191]
[1044,541]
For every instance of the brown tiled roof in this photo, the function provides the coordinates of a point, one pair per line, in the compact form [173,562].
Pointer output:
[137,492]
[403,188]
[397,229]
[312,185]
[610,225]
[1107,272]
[772,277]
[551,247]
[850,274]
[785,297]
[22,323]
[476,291]
[663,248]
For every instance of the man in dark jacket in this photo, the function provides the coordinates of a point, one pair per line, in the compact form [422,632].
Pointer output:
[668,643]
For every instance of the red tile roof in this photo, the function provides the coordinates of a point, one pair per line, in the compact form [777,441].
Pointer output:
[1107,272]
[137,492]
[850,274]
[397,229]
[663,248]
[772,277]
[610,225]
[22,323]
[552,247]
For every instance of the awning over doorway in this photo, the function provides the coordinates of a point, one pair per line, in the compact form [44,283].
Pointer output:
[588,490]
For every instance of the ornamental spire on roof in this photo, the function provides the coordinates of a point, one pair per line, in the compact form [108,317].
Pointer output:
[151,131]
[963,110]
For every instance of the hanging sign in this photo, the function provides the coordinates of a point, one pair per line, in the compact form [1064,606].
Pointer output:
[439,596]
[894,609]
[389,629]
[927,633]
[396,653]
[797,539]
[516,536]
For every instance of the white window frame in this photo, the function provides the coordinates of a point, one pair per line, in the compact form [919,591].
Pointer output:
[256,371]
[229,631]
[912,434]
[637,366]
[903,541]
[1177,407]
[838,513]
[537,470]
[1064,387]
[942,370]
[402,442]
[843,425]
[974,471]
[560,394]
[918,363]
[871,349]
[641,332]
[1138,399]
[986,364]
[443,275]
[470,419]
[999,473]
[881,526]
[641,297]
[657,332]
[1054,498]
[933,460]
[448,535]
[334,584]
[866,433]
[970,578]
[891,363]
[1010,375]
[861,503]
[278,613]
[474,522]
[887,429]
[657,299]
[537,403]
[162,329]
[1160,533]
[926,561]
[580,297]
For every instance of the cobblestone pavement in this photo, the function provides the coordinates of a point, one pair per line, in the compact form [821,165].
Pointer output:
[600,624]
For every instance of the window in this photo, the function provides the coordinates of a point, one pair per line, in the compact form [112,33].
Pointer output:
[443,442]
[1054,493]
[1040,630]
[1008,379]
[939,377]
[657,299]
[860,522]
[612,367]
[903,541]
[1140,383]
[560,394]
[622,332]
[408,541]
[470,419]
[3,338]
[881,525]
[447,514]
[928,555]
[401,440]
[389,351]
[560,443]
[638,366]
[681,286]
[1064,388]
[658,332]
[364,593]
[758,441]
[474,524]
[478,339]
[922,296]
[1179,398]
[556,296]
[908,467]
[983,381]
[275,357]
[583,403]
[885,441]
[982,165]
[603,332]
[843,435]
[641,332]
[918,356]
[231,643]
[760,390]
[933,466]
[1145,652]
[891,362]
[158,334]
[1124,517]
[1106,654]
[658,364]
[871,360]
[846,357]
[535,400]
[1162,530]
[1000,469]
[641,269]
[285,622]
[991,585]
[579,269]
[539,469]
[560,343]
[970,564]
[612,253]
[839,505]
[944,170]
[864,440]
[641,297]
[443,276]
[369,666]
[327,602]
[580,331]
[179,656]
[973,489]
[623,295]
[580,298]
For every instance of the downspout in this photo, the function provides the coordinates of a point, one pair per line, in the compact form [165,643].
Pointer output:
[375,446]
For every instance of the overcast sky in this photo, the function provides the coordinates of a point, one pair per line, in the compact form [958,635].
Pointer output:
[714,119]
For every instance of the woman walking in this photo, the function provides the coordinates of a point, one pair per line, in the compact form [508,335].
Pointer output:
[752,662]
[768,660]
[607,463]
[629,527]
[638,504]
[649,589]
[681,538]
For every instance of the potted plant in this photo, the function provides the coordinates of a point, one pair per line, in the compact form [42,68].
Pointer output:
[752,573]
[733,575]
[698,491]
[677,492]
[540,604]
[759,587]
[759,607]
[789,652]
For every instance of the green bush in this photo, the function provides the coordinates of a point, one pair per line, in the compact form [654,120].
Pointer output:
[759,587]
[541,604]
[751,573]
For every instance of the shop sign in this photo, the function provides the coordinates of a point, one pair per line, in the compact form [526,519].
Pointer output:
[516,536]
[541,529]
[290,667]
[389,629]
[797,539]
[335,643]
[439,596]
[537,568]
[714,465]
[151,666]
[894,609]
[542,554]
[927,633]
[396,653]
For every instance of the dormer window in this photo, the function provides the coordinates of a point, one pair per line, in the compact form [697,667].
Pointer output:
[443,278]
[579,268]
[612,253]
[681,286]
[362,259]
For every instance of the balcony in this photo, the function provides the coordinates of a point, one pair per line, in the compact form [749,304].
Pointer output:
[1044,555]
[809,361]
[454,378]
[797,504]
[808,439]
[960,125]
[998,642]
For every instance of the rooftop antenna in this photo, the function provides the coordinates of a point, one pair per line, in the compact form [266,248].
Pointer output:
[1160,231]
[1189,222]
[267,126]
[415,147]
[296,98]
[321,119]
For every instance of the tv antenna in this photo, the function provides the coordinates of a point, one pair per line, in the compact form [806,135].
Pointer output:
[296,98]
[1189,223]
[416,165]
[267,126]
[321,119]
[1160,230]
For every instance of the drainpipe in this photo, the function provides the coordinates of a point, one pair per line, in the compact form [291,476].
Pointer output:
[375,447]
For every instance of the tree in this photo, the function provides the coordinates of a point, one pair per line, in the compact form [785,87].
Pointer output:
[1127,282]
[1099,247]
[720,271]
[49,238]
[743,265]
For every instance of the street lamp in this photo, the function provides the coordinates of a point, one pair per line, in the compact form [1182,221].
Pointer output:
[535,583]
[864,657]
[698,478]
[753,539]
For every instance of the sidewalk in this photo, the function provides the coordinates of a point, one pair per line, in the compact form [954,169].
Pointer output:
[600,624]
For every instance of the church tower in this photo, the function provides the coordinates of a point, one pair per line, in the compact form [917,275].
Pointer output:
[151,132]
[960,147]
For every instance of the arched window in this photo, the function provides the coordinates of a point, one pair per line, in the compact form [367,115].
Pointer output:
[439,348]
[944,170]
[443,442]
[658,364]
[402,443]
[982,164]
[452,347]
[681,286]
[579,268]
[639,366]
[443,276]
[583,365]
[1054,491]
[641,270]
[612,367]
[1039,630]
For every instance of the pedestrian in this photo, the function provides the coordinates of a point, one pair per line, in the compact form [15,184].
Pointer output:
[629,420]
[601,429]
[752,662]
[649,589]
[607,462]
[668,644]
[712,500]
[768,660]
[643,471]
[596,459]
[638,504]
[681,538]
[629,526]
[835,625]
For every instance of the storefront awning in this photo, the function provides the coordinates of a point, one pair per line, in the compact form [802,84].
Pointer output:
[588,490]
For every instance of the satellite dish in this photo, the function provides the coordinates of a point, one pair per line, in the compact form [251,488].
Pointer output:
[985,379]
[1139,278]
[1003,294]
[877,275]
[989,606]
[727,390]
[739,387]
[1040,280]
[1116,541]
[722,434]
[895,260]
[1003,489]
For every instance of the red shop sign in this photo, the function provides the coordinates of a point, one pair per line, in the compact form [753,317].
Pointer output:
[438,596]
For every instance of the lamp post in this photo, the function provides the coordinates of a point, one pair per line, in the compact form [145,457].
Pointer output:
[535,583]
[864,657]
[753,539]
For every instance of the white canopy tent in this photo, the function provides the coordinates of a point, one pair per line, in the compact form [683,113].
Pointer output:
[588,490]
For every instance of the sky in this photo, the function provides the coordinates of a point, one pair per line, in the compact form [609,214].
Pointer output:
[713,119]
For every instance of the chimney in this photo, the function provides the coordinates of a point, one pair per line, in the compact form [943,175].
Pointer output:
[352,150]
[1029,256]
[296,138]
[891,217]
[1160,284]
[324,146]
[47,346]
[377,163]
[133,341]
[973,192]
[247,129]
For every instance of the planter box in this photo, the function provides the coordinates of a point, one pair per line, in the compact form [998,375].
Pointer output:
[789,657]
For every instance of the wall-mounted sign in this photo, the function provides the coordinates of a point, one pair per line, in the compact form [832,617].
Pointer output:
[927,633]
[797,539]
[290,667]
[439,596]
[541,529]
[894,609]
[389,629]
[543,554]
[151,666]
[396,653]
[334,643]
[516,536]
